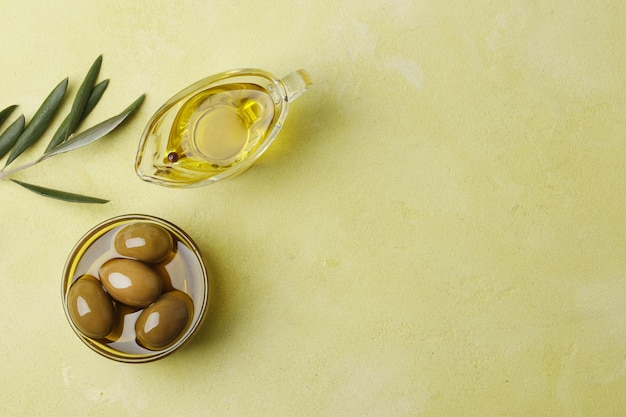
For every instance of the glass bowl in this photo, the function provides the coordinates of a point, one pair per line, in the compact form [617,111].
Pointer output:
[181,271]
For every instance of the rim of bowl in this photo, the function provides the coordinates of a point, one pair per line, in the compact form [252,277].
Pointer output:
[88,239]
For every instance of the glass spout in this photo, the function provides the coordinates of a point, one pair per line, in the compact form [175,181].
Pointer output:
[296,84]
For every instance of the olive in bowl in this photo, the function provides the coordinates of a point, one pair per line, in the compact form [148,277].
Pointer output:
[135,288]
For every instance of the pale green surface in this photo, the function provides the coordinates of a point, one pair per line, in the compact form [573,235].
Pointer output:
[438,231]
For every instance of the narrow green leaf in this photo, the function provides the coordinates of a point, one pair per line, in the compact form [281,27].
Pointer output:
[94,133]
[135,104]
[78,106]
[82,96]
[60,195]
[9,136]
[39,122]
[6,112]
[94,98]
[60,135]
[88,136]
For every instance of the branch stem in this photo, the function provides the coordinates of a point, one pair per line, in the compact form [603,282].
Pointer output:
[4,174]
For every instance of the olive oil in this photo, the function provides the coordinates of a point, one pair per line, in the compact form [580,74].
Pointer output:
[219,127]
[216,127]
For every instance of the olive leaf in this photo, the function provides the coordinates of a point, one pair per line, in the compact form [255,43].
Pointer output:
[40,121]
[78,111]
[4,114]
[19,136]
[84,91]
[94,133]
[9,136]
[60,195]
[94,98]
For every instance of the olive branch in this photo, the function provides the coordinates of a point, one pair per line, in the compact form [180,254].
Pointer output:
[19,135]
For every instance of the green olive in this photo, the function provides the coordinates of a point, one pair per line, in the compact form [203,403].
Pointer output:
[90,308]
[144,241]
[130,282]
[161,324]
